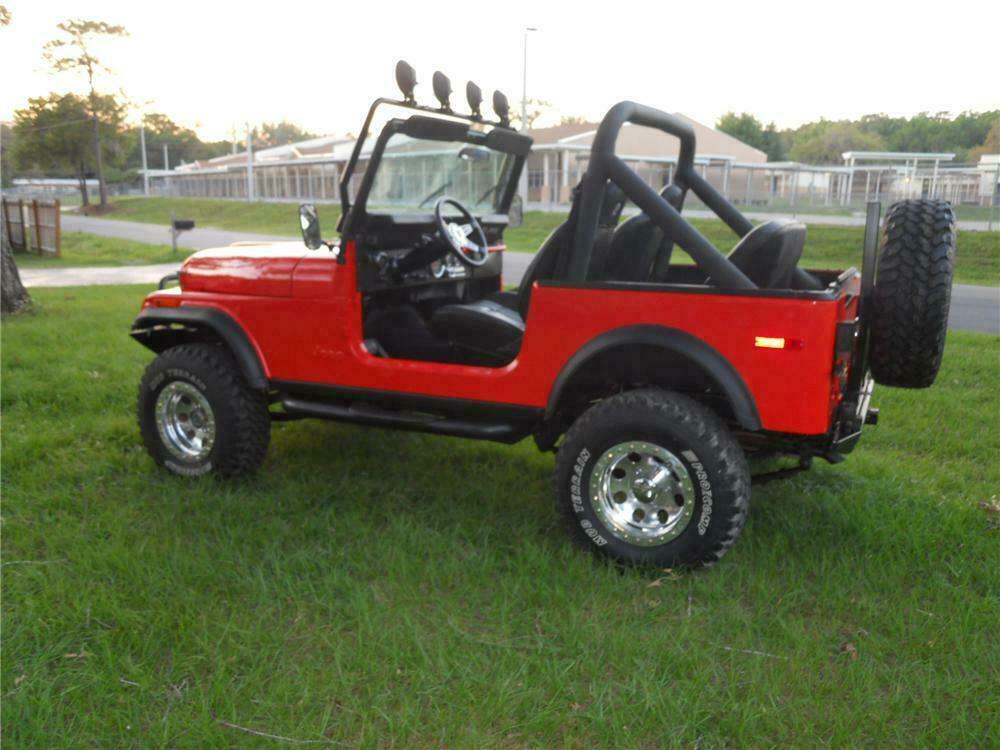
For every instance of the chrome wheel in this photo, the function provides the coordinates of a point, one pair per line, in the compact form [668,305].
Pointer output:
[185,421]
[643,493]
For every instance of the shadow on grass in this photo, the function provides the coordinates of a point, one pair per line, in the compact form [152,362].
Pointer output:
[360,482]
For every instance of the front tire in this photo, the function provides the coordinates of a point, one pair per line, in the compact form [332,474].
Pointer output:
[653,478]
[197,414]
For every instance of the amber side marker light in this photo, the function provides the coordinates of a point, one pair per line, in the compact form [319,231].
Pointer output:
[773,342]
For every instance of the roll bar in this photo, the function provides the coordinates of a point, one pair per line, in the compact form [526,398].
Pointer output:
[605,165]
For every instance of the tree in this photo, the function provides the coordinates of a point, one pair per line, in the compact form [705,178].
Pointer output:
[280,134]
[991,145]
[184,144]
[747,128]
[13,295]
[824,142]
[534,109]
[573,120]
[53,134]
[74,53]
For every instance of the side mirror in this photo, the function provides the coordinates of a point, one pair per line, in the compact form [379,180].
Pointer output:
[309,221]
[515,215]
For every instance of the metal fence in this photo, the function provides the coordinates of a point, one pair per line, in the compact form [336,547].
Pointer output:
[787,188]
[800,188]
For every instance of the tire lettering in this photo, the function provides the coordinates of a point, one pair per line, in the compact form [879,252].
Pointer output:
[576,481]
[178,374]
[706,491]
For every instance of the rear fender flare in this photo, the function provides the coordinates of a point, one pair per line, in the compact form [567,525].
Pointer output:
[677,342]
[159,328]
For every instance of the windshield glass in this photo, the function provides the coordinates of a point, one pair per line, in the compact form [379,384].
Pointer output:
[413,173]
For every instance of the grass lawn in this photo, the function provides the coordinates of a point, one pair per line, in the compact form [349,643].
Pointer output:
[84,249]
[827,246]
[390,589]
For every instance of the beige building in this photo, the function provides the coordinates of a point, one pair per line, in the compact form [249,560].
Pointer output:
[559,156]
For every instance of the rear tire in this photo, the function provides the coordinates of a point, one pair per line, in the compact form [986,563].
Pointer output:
[912,293]
[197,414]
[653,478]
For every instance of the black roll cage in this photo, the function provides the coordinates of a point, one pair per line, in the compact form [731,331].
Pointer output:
[664,211]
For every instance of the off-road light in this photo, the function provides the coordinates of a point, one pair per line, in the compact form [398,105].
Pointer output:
[474,96]
[501,106]
[406,79]
[442,89]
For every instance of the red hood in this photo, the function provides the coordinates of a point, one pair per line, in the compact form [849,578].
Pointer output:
[259,269]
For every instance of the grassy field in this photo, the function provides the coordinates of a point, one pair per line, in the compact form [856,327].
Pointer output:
[388,589]
[84,249]
[827,246]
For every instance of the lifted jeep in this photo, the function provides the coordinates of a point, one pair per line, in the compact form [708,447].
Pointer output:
[651,380]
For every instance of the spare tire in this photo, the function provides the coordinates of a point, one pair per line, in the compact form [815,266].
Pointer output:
[912,293]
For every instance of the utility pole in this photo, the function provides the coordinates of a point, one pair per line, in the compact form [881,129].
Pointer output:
[522,187]
[166,157]
[524,80]
[145,167]
[250,181]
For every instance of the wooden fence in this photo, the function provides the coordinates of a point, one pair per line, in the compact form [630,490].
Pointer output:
[32,225]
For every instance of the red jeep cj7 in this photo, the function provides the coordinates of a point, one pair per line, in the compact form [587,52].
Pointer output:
[650,379]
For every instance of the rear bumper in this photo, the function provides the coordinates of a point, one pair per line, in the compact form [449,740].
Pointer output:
[853,415]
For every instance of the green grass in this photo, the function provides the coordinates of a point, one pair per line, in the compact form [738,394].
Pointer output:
[827,246]
[84,249]
[239,216]
[389,589]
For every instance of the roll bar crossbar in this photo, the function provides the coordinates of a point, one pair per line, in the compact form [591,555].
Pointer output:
[605,165]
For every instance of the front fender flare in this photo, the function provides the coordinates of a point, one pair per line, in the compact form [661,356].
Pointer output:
[156,329]
[678,342]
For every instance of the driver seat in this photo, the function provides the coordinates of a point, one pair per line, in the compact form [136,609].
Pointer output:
[488,332]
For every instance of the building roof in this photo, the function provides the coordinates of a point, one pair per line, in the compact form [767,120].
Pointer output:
[647,141]
[897,155]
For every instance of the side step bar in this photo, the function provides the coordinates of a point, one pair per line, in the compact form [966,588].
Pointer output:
[372,415]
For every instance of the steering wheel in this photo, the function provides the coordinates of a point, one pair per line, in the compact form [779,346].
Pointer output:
[458,235]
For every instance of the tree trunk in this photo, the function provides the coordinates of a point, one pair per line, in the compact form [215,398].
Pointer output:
[81,176]
[13,296]
[102,188]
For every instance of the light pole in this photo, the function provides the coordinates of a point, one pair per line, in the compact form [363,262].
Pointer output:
[142,145]
[524,80]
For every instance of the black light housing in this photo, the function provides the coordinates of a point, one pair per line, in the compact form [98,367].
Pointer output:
[501,106]
[474,96]
[442,90]
[406,79]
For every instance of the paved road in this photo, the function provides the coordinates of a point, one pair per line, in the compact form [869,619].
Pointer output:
[973,308]
[155,234]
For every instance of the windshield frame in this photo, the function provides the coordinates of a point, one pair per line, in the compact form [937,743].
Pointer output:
[422,127]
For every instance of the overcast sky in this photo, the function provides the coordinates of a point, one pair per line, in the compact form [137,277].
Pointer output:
[211,65]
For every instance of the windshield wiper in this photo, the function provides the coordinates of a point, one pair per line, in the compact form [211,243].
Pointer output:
[485,195]
[435,194]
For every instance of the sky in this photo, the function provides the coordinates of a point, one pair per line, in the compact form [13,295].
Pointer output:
[213,66]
